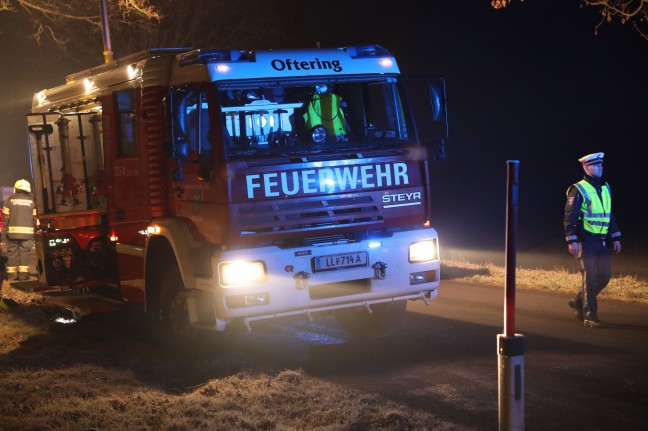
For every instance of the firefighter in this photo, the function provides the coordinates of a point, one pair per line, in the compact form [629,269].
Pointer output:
[592,234]
[18,215]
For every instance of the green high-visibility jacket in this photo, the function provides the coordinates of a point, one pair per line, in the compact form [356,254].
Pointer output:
[595,209]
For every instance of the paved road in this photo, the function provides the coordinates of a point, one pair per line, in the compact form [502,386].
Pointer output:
[444,359]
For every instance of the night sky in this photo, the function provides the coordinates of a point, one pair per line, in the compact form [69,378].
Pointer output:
[530,82]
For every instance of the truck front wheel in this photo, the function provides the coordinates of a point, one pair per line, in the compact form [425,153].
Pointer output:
[384,319]
[174,312]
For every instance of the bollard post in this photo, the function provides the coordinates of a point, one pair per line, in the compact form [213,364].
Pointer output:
[510,346]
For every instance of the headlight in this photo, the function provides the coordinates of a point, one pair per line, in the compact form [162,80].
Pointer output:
[423,251]
[241,272]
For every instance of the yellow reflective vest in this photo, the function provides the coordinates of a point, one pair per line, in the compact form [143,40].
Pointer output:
[595,209]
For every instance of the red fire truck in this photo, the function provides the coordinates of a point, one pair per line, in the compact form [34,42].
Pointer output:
[220,186]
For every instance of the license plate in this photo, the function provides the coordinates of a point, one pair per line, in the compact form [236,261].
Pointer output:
[341,261]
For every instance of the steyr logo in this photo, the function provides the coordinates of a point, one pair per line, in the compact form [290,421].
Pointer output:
[401,199]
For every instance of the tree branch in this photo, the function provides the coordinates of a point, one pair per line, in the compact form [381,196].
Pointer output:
[54,17]
[626,11]
[618,7]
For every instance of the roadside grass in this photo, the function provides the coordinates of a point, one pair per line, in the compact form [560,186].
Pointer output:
[92,397]
[559,280]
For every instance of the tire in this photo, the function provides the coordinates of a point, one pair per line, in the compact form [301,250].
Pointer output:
[174,314]
[384,319]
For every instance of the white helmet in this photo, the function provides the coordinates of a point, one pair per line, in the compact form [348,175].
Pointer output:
[22,185]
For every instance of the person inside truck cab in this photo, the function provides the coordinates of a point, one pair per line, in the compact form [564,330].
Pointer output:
[325,108]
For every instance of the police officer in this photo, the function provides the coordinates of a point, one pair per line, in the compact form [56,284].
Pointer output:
[18,215]
[591,233]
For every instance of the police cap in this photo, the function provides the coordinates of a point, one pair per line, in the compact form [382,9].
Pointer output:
[592,159]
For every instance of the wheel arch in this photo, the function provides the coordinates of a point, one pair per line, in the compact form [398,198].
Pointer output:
[172,248]
[159,259]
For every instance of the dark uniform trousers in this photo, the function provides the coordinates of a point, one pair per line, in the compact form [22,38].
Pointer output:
[595,264]
[18,255]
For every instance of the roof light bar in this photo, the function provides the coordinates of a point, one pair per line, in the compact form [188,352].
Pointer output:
[207,56]
[364,51]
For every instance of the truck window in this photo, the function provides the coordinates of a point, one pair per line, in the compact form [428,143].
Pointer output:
[125,101]
[191,120]
[190,129]
[312,116]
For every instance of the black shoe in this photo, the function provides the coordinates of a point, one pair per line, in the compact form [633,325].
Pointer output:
[592,323]
[577,307]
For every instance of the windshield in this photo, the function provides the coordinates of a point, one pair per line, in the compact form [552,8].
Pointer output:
[298,118]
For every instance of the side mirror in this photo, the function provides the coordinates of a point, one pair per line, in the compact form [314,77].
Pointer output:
[427,95]
[438,100]
[439,116]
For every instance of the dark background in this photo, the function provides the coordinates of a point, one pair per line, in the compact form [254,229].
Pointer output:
[530,82]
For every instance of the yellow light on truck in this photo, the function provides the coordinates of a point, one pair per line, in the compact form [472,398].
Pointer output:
[42,98]
[423,251]
[133,71]
[240,273]
[89,85]
[153,230]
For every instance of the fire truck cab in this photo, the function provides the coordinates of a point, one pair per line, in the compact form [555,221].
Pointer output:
[215,186]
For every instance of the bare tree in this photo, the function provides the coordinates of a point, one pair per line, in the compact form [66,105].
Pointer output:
[75,26]
[57,19]
[218,23]
[633,12]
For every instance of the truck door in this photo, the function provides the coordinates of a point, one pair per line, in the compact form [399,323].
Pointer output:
[200,191]
[129,210]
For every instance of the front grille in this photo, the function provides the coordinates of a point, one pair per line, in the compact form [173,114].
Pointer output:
[295,216]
